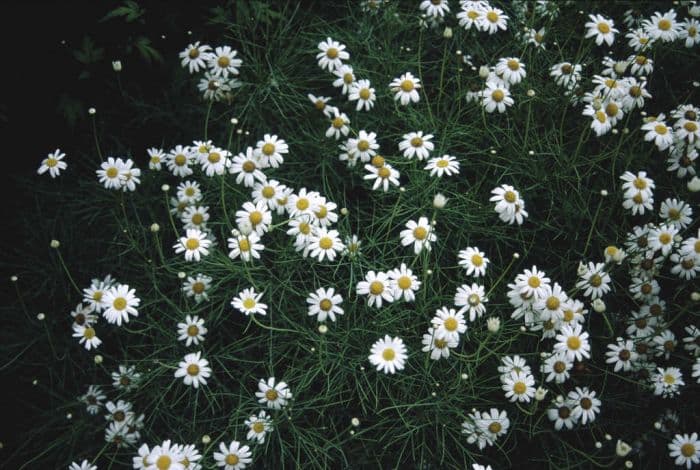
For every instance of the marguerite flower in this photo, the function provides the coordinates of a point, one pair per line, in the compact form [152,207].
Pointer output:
[192,331]
[415,143]
[473,261]
[445,165]
[324,243]
[249,302]
[448,323]
[404,283]
[178,161]
[120,302]
[269,151]
[245,246]
[492,19]
[339,125]
[197,287]
[194,370]
[420,234]
[256,216]
[574,342]
[686,449]
[602,28]
[388,354]
[223,62]
[382,176]
[53,163]
[346,78]
[511,70]
[377,287]
[110,173]
[273,395]
[438,347]
[496,97]
[194,244]
[362,92]
[195,56]
[88,336]
[232,457]
[518,386]
[406,88]
[664,27]
[325,303]
[258,427]
[659,132]
[332,54]
[471,299]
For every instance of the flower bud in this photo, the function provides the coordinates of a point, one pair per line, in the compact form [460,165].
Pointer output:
[622,448]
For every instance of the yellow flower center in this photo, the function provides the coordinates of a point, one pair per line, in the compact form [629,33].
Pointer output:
[376,287]
[604,28]
[690,126]
[194,53]
[338,122]
[416,142]
[180,160]
[660,129]
[552,303]
[665,238]
[232,459]
[495,427]
[249,303]
[51,162]
[509,196]
[112,172]
[669,379]
[163,462]
[477,260]
[451,324]
[325,243]
[302,204]
[443,163]
[325,305]
[492,16]
[383,172]
[255,218]
[378,161]
[574,342]
[559,367]
[639,183]
[404,282]
[519,388]
[268,192]
[600,116]
[688,449]
[363,146]
[348,78]
[258,427]
[268,149]
[89,333]
[304,228]
[664,25]
[364,94]
[692,31]
[119,303]
[407,85]
[322,212]
[332,52]
[473,14]
[534,282]
[640,59]
[474,300]
[192,330]
[635,91]
[497,95]
[97,296]
[420,233]
[271,394]
[513,64]
[319,104]
[192,244]
[223,62]
[440,343]
[596,280]
[637,198]
[197,218]
[198,287]
[611,109]
[193,369]
[244,245]
[388,354]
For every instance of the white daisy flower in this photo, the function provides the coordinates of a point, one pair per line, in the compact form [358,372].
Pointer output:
[197,287]
[661,238]
[471,299]
[388,354]
[324,243]
[420,234]
[245,246]
[438,347]
[448,324]
[192,331]
[557,367]
[84,465]
[88,336]
[377,287]
[178,161]
[561,414]
[532,283]
[258,427]
[53,163]
[120,302]
[339,125]
[382,176]
[685,448]
[445,165]
[194,370]
[689,32]
[332,54]
[233,457]
[585,404]
[473,261]
[249,302]
[666,382]
[215,161]
[126,378]
[492,19]
[404,283]
[325,303]
[659,132]
[194,244]
[496,97]
[493,424]
[111,174]
[195,217]
[574,342]
[602,28]
[362,92]
[415,143]
[273,395]
[190,192]
[622,355]
[256,216]
[518,386]
[195,56]
[511,70]
[223,62]
[270,150]
[566,74]
[319,103]
[663,27]
[406,88]
[246,166]
[594,281]
[345,79]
